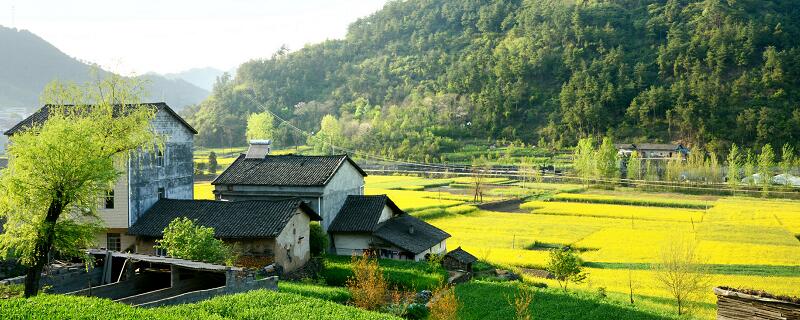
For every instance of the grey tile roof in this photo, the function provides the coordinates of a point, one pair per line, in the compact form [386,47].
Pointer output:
[657,146]
[230,219]
[462,256]
[360,213]
[41,115]
[284,170]
[398,231]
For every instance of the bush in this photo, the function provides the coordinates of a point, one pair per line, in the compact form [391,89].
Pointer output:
[444,305]
[183,239]
[408,275]
[318,240]
[367,285]
[566,267]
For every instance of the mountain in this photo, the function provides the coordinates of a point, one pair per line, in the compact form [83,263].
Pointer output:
[30,62]
[419,77]
[200,77]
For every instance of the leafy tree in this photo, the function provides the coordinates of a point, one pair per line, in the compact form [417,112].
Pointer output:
[607,160]
[634,170]
[766,163]
[318,240]
[50,202]
[184,239]
[584,159]
[749,168]
[212,162]
[329,135]
[787,159]
[565,265]
[734,164]
[260,126]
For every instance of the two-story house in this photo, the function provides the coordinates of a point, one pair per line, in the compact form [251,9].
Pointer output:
[147,177]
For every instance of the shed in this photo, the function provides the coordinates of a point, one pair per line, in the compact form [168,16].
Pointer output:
[458,259]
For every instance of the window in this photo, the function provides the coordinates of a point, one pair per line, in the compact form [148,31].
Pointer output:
[161,252]
[159,158]
[113,242]
[110,199]
[162,193]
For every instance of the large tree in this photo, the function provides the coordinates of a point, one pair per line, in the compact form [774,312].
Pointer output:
[60,170]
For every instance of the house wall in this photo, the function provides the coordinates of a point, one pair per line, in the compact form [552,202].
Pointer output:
[118,216]
[346,181]
[177,174]
[126,241]
[386,214]
[347,244]
[440,248]
[292,246]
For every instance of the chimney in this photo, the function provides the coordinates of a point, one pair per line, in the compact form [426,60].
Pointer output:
[259,149]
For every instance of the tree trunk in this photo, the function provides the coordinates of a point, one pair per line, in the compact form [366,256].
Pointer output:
[44,241]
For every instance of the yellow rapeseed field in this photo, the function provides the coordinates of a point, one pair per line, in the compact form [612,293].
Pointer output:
[613,211]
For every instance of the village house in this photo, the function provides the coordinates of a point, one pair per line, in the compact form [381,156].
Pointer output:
[147,177]
[374,223]
[653,150]
[264,231]
[322,181]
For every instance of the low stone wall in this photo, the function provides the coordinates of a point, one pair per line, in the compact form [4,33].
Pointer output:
[270,283]
[63,280]
[734,305]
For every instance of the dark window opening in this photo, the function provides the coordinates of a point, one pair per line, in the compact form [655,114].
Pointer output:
[161,252]
[162,193]
[110,199]
[113,242]
[159,158]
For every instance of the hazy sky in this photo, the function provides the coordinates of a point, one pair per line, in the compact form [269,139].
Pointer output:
[175,35]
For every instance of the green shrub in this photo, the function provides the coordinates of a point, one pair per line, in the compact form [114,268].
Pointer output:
[407,275]
[318,239]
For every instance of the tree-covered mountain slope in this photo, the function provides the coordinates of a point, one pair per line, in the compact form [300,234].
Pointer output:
[28,63]
[420,75]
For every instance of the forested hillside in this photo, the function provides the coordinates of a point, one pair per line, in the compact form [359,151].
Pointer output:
[420,76]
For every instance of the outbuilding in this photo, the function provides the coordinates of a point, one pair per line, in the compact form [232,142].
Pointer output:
[459,259]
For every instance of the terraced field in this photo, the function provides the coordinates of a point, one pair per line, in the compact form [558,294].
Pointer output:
[747,242]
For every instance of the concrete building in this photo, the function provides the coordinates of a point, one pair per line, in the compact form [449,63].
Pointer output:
[147,177]
[374,223]
[322,181]
[657,151]
[265,231]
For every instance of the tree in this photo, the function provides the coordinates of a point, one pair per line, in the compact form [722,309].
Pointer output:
[766,162]
[787,160]
[329,135]
[680,271]
[184,239]
[480,167]
[318,240]
[212,162]
[734,164]
[260,126]
[583,159]
[749,168]
[607,160]
[634,170]
[58,171]
[566,267]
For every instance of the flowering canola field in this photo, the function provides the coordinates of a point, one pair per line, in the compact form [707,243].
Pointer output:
[747,242]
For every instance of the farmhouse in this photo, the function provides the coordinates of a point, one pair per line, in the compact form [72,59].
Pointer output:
[653,150]
[265,231]
[322,181]
[374,223]
[148,177]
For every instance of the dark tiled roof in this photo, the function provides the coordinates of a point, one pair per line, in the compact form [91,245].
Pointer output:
[462,256]
[3,163]
[284,170]
[657,146]
[361,213]
[42,114]
[230,219]
[398,231]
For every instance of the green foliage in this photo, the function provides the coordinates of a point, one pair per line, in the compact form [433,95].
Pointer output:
[734,165]
[766,164]
[410,79]
[212,163]
[335,294]
[787,159]
[565,265]
[584,159]
[260,126]
[606,163]
[406,275]
[58,171]
[184,239]
[259,304]
[318,239]
[634,169]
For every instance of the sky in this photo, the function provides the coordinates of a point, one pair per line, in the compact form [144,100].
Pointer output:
[136,37]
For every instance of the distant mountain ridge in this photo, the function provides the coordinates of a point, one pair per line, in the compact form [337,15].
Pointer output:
[31,62]
[200,77]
